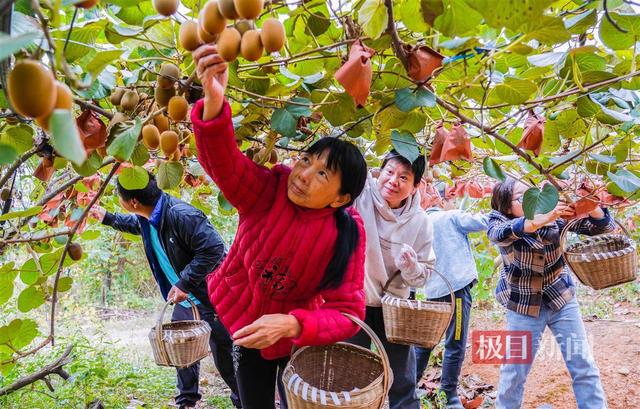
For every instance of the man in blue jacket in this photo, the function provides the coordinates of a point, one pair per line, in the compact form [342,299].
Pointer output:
[454,259]
[182,247]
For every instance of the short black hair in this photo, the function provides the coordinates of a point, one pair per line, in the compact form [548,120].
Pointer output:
[502,196]
[147,196]
[417,167]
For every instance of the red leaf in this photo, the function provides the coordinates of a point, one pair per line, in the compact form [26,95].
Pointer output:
[585,206]
[473,403]
[533,133]
[475,190]
[457,145]
[45,170]
[355,75]
[438,140]
[423,61]
[92,129]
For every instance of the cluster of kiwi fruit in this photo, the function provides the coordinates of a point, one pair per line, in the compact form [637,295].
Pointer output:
[242,38]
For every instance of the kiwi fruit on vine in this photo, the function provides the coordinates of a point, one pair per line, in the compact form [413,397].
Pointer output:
[272,35]
[273,158]
[75,251]
[177,155]
[162,96]
[169,74]
[249,9]
[229,44]
[5,194]
[31,89]
[251,46]
[204,35]
[64,100]
[244,25]
[166,7]
[116,96]
[178,107]
[188,36]
[228,9]
[212,21]
[151,136]
[129,100]
[87,4]
[169,142]
[161,122]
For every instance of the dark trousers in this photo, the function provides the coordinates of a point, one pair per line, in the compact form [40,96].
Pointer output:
[257,379]
[455,343]
[220,344]
[401,357]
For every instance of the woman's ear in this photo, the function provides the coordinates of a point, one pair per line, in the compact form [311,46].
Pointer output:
[341,200]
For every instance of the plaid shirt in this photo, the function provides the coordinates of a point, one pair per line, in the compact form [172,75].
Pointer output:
[533,270]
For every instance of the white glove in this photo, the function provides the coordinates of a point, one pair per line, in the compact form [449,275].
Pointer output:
[407,260]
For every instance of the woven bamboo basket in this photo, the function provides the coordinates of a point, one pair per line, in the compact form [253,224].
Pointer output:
[180,343]
[416,322]
[340,375]
[602,261]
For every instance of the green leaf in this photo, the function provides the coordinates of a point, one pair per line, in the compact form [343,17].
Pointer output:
[134,178]
[298,110]
[6,290]
[65,137]
[407,99]
[124,144]
[90,166]
[19,136]
[458,18]
[318,23]
[64,284]
[223,204]
[492,168]
[515,91]
[578,24]
[30,298]
[7,154]
[9,45]
[283,122]
[32,211]
[140,155]
[610,160]
[101,60]
[170,175]
[536,201]
[614,38]
[23,333]
[548,30]
[340,112]
[405,144]
[373,18]
[81,42]
[586,107]
[504,13]
[625,180]
[29,276]
[411,16]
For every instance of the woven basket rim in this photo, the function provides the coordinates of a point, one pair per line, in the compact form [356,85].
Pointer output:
[393,301]
[573,250]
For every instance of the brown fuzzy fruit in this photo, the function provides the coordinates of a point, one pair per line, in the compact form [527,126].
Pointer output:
[212,21]
[75,251]
[227,9]
[116,96]
[244,25]
[249,9]
[251,46]
[5,194]
[273,158]
[169,74]
[169,142]
[189,38]
[87,4]
[177,155]
[161,122]
[151,136]
[204,36]
[165,7]
[162,96]
[272,35]
[30,89]
[178,107]
[64,100]
[129,100]
[229,44]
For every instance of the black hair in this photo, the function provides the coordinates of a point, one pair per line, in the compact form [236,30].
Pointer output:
[502,196]
[148,196]
[344,157]
[417,167]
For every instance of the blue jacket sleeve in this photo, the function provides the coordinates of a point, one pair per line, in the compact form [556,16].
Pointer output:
[127,223]
[470,223]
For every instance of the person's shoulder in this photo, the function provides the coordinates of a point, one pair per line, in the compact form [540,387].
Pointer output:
[179,208]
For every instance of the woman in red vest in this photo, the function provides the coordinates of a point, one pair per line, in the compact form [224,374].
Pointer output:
[297,261]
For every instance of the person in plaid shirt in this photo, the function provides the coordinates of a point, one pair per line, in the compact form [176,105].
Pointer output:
[538,292]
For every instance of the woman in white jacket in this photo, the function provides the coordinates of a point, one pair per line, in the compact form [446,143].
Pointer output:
[399,237]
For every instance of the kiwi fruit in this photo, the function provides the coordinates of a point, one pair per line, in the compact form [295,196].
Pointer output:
[251,46]
[5,194]
[178,107]
[161,122]
[204,35]
[272,35]
[244,25]
[169,142]
[64,100]
[165,7]
[177,155]
[75,251]
[249,9]
[87,4]
[151,136]
[229,44]
[188,36]
[116,96]
[273,158]
[162,96]
[169,74]
[212,21]
[31,89]
[228,9]
[129,100]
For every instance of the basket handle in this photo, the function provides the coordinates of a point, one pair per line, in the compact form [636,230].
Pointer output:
[196,316]
[565,231]
[386,367]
